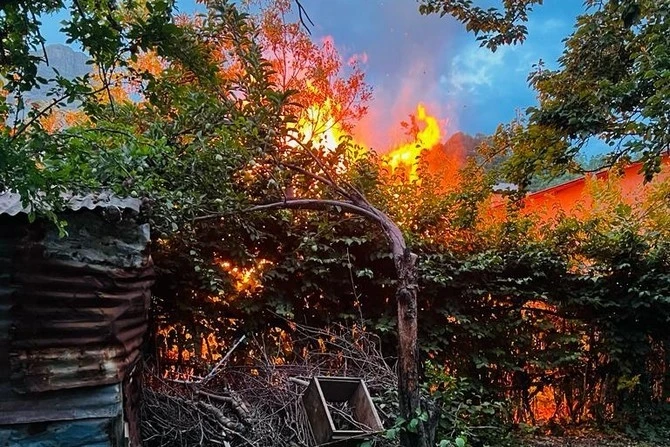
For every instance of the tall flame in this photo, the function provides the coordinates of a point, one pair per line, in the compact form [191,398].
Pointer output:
[407,155]
[318,125]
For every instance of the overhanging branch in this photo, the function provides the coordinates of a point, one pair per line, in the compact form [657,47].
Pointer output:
[391,230]
[317,205]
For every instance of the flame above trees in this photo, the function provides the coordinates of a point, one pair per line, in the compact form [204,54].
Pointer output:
[407,156]
[326,89]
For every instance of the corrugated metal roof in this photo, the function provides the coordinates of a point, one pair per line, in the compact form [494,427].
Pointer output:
[10,203]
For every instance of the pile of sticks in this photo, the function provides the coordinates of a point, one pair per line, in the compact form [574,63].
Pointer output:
[259,403]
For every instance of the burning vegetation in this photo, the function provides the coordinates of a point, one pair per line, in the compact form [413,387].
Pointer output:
[426,134]
[498,293]
[287,247]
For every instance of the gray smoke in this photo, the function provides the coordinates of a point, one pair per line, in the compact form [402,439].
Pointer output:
[405,56]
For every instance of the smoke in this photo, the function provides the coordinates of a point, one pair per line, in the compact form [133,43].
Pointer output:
[406,54]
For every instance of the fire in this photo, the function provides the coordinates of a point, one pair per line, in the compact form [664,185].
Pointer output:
[407,155]
[318,126]
[246,280]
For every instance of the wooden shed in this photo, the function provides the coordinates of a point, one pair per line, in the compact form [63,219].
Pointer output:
[73,315]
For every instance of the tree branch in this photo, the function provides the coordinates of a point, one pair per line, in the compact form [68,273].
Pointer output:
[331,181]
[302,13]
[318,205]
[364,209]
[316,177]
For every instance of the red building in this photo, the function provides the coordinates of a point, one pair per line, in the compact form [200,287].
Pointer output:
[576,197]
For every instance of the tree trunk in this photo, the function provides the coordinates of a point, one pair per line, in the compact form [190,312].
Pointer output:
[408,351]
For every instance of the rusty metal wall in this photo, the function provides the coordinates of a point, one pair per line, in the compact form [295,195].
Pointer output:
[79,307]
[73,315]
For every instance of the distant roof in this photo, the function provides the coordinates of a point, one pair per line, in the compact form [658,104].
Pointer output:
[10,203]
[503,187]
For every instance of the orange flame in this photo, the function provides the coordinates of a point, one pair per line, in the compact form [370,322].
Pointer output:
[406,156]
[318,126]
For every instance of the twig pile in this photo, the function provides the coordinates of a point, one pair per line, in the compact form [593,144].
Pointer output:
[259,404]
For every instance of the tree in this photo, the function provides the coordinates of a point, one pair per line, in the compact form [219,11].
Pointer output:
[307,173]
[327,90]
[497,27]
[32,162]
[351,200]
[609,89]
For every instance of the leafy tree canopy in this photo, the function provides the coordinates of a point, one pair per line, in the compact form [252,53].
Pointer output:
[493,26]
[189,121]
[610,88]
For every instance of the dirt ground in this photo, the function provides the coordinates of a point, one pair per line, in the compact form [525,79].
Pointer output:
[587,441]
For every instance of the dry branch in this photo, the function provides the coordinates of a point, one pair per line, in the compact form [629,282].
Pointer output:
[260,403]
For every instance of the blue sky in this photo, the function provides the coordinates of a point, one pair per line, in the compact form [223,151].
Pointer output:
[413,58]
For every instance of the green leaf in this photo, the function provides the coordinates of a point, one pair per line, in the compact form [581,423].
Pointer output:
[391,433]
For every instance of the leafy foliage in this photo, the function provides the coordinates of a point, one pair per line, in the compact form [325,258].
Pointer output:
[157,148]
[497,27]
[607,91]
[562,321]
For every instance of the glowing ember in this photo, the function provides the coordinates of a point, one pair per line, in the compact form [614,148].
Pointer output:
[406,157]
[246,280]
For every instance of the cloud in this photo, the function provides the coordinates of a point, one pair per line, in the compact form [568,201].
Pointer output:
[549,26]
[475,68]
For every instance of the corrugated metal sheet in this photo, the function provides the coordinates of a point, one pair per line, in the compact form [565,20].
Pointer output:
[10,203]
[64,405]
[74,325]
[78,311]
[73,313]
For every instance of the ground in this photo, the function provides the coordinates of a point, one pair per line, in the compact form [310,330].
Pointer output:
[590,440]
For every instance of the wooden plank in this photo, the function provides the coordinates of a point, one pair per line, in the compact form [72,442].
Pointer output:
[317,412]
[363,408]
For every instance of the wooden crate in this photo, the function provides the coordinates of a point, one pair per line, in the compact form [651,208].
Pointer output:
[324,390]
